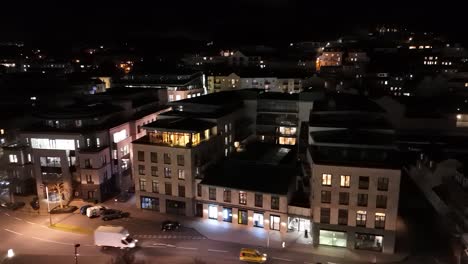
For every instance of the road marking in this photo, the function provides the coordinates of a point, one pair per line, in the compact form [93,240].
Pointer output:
[154,246]
[168,245]
[7,214]
[188,248]
[50,241]
[217,250]
[282,259]
[45,226]
[31,223]
[19,219]
[308,262]
[8,230]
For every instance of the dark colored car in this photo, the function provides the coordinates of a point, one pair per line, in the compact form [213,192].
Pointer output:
[83,209]
[169,225]
[123,197]
[110,214]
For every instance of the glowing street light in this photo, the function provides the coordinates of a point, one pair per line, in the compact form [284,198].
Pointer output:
[10,253]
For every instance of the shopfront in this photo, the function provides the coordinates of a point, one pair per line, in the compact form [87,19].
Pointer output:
[275,222]
[258,219]
[149,203]
[368,242]
[243,217]
[213,211]
[175,207]
[298,224]
[332,238]
[227,214]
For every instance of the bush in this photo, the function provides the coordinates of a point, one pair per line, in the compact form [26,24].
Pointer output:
[64,210]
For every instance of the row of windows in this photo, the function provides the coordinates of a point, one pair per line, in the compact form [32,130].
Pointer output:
[345,182]
[242,197]
[166,158]
[167,188]
[167,172]
[362,199]
[361,218]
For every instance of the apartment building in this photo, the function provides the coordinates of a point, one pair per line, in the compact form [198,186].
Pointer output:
[86,145]
[355,189]
[223,82]
[252,188]
[169,158]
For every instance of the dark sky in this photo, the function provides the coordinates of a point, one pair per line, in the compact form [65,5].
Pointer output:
[222,19]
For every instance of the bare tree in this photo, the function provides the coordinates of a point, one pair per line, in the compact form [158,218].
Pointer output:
[61,191]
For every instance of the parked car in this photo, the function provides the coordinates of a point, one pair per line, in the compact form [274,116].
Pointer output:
[169,225]
[123,197]
[83,209]
[95,211]
[110,214]
[252,255]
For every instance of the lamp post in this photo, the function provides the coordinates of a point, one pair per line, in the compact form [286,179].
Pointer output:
[10,254]
[48,205]
[76,253]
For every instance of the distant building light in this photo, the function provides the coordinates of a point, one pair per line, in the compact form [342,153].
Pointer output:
[33,98]
[82,66]
[459,117]
[412,47]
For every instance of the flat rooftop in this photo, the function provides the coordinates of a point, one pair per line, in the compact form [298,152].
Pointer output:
[180,125]
[348,120]
[261,167]
[353,137]
[347,102]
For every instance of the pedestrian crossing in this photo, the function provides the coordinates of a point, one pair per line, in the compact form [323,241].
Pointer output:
[169,237]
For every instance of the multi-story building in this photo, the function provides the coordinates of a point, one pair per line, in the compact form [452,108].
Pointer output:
[169,158]
[330,57]
[86,145]
[253,188]
[355,189]
[223,82]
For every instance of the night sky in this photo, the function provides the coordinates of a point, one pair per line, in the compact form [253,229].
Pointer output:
[256,20]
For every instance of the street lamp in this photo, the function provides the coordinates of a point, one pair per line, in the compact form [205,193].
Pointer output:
[76,253]
[10,254]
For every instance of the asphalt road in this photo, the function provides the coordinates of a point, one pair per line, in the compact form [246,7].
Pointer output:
[34,242]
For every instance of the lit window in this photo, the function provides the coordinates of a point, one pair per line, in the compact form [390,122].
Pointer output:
[13,158]
[380,220]
[361,218]
[345,181]
[326,179]
[3,131]
[242,198]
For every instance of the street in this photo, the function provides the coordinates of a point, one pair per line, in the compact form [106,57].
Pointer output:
[31,238]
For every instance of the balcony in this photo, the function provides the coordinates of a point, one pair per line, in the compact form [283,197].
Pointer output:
[51,170]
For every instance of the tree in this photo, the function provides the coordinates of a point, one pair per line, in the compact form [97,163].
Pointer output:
[61,191]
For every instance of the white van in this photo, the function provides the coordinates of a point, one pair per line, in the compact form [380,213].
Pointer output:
[113,236]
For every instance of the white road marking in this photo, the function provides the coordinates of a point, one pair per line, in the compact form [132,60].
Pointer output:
[8,230]
[188,248]
[281,259]
[31,223]
[168,245]
[308,262]
[7,214]
[217,250]
[155,246]
[50,241]
[19,219]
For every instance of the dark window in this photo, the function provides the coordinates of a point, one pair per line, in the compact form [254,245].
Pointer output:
[325,215]
[275,202]
[381,201]
[227,196]
[363,182]
[155,186]
[242,198]
[154,157]
[168,188]
[154,171]
[344,198]
[326,196]
[141,169]
[212,193]
[342,216]
[89,179]
[180,160]
[199,190]
[87,163]
[141,156]
[181,191]
[167,158]
[382,184]
[362,199]
[258,200]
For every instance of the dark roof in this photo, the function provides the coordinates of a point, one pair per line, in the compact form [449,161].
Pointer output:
[180,124]
[347,102]
[348,120]
[78,111]
[217,113]
[262,167]
[221,98]
[278,96]
[354,137]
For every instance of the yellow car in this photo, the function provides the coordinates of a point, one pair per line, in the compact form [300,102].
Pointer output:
[252,255]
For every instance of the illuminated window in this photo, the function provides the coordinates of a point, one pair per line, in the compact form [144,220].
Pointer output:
[167,172]
[13,158]
[242,198]
[2,131]
[181,174]
[361,218]
[380,220]
[345,181]
[141,169]
[326,179]
[154,171]
[143,185]
[155,186]
[119,136]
